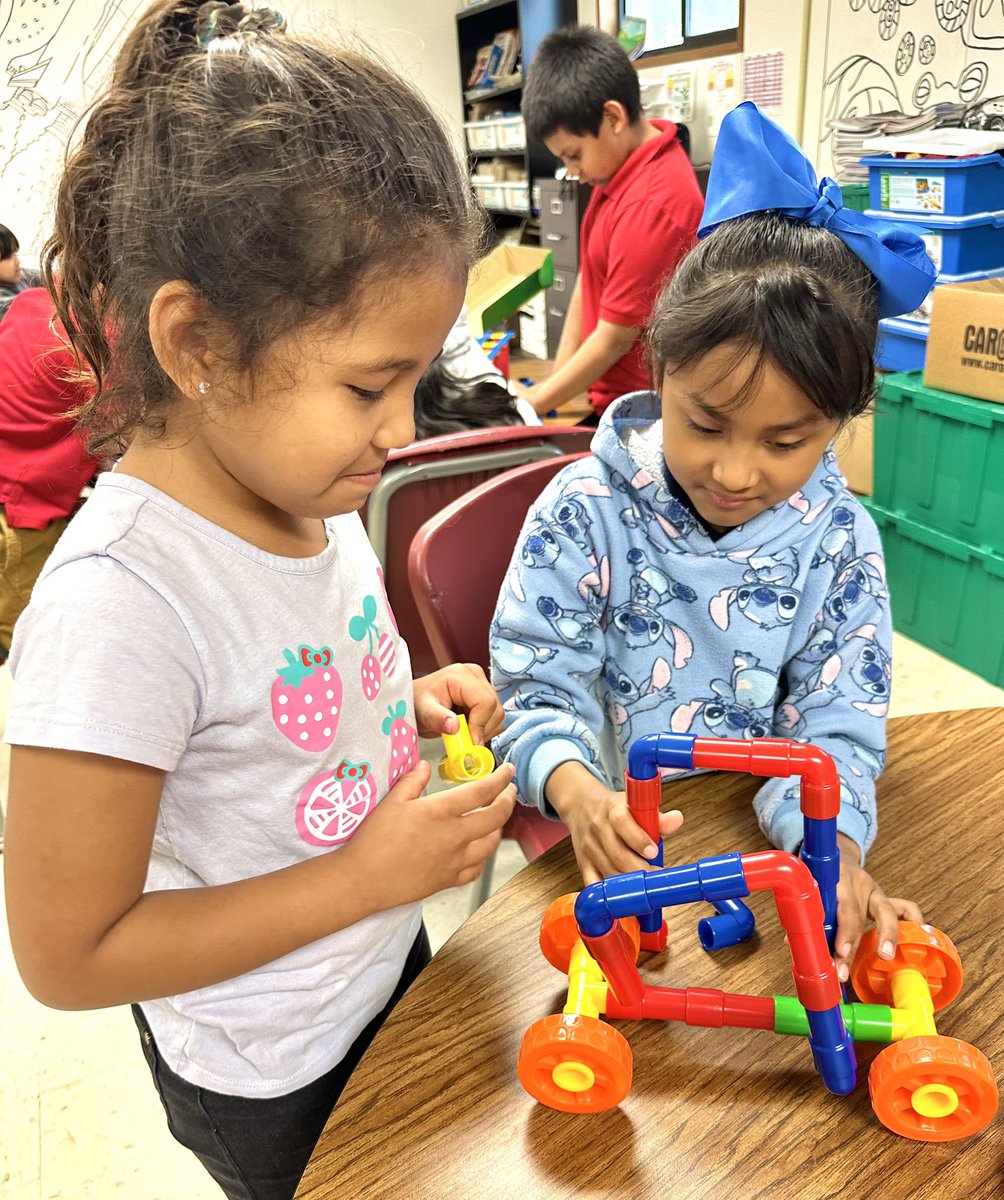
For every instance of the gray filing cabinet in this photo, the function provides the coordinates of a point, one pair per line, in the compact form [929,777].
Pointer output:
[562,203]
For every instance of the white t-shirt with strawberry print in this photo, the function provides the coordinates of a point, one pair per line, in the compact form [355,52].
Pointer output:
[277,695]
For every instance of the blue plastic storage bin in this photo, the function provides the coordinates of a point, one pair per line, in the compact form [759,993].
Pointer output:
[958,245]
[902,345]
[955,187]
[923,313]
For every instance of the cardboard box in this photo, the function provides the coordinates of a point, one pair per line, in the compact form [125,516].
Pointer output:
[855,454]
[965,345]
[501,283]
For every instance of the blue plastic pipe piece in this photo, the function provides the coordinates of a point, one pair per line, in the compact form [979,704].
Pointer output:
[657,750]
[833,1050]
[652,922]
[640,892]
[733,924]
[821,855]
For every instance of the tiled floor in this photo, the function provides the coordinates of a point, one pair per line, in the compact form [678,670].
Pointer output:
[79,1119]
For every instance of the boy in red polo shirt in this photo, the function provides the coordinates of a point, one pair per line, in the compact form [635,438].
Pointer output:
[583,101]
[43,463]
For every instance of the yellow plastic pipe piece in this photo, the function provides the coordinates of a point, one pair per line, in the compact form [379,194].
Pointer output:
[464,761]
[912,1007]
[587,987]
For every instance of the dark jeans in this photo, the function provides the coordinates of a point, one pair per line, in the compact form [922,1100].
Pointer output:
[258,1149]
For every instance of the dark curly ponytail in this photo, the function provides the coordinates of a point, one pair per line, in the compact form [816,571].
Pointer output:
[276,175]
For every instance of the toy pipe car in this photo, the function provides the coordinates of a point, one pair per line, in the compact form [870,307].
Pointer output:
[923,1086]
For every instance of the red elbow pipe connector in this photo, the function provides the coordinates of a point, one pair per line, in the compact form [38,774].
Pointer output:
[778,757]
[801,912]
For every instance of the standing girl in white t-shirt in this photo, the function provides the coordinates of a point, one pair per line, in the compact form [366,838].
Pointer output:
[216,808]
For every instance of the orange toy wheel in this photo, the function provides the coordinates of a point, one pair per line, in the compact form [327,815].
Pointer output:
[933,1089]
[559,931]
[921,947]
[575,1063]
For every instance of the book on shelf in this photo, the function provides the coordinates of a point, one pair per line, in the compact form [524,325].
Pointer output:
[508,42]
[485,63]
[496,63]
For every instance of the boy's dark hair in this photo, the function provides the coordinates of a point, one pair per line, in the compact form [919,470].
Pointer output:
[8,243]
[278,176]
[779,290]
[448,403]
[575,71]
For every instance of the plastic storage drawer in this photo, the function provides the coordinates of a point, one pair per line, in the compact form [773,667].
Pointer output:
[958,245]
[946,186]
[510,133]
[945,594]
[939,460]
[902,344]
[481,135]
[516,196]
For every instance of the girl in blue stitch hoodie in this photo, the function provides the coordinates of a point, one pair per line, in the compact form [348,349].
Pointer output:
[706,570]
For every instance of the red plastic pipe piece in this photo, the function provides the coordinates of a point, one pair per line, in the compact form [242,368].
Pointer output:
[778,757]
[657,941]
[801,912]
[707,1007]
[614,952]
[644,797]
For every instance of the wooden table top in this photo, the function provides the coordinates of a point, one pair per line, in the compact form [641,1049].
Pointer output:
[435,1108]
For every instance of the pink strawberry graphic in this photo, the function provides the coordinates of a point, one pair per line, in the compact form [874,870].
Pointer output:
[403,742]
[307,698]
[332,806]
[372,669]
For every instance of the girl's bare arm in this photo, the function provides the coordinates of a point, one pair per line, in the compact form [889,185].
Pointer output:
[85,935]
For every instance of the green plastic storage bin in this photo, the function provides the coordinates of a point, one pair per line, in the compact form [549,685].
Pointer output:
[945,594]
[855,196]
[939,460]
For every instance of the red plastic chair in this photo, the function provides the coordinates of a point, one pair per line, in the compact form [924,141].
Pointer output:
[456,566]
[423,478]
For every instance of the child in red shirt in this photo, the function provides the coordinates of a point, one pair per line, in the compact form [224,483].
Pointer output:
[583,101]
[43,462]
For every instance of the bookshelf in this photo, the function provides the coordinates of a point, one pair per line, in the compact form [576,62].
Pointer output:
[503,163]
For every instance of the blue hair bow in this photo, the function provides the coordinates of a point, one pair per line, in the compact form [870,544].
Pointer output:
[757,167]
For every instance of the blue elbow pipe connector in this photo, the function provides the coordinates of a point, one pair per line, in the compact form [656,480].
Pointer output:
[657,750]
[833,1050]
[733,924]
[602,903]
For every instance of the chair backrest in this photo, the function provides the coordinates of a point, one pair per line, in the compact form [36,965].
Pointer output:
[423,478]
[459,557]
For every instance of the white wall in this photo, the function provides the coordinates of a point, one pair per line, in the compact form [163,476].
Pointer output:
[417,37]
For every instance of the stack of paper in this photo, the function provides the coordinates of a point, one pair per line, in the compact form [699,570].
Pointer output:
[943,143]
[850,133]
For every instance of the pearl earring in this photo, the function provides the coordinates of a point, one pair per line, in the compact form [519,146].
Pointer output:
[203,387]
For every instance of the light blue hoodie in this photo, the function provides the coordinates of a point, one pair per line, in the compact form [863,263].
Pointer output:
[620,616]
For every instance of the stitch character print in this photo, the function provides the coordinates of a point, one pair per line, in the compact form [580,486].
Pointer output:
[374,668]
[334,804]
[307,698]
